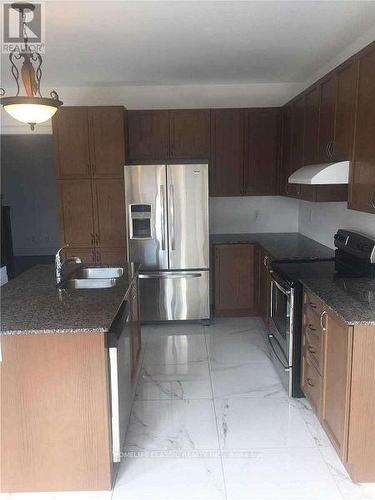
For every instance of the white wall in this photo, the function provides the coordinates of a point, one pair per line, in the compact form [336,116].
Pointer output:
[255,214]
[320,221]
[163,97]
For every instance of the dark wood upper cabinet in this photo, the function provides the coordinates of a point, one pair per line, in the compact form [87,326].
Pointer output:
[71,134]
[148,136]
[227,152]
[286,149]
[362,185]
[296,144]
[345,111]
[190,134]
[262,151]
[107,140]
[311,127]
[327,119]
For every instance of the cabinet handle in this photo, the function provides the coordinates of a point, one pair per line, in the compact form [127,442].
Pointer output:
[89,168]
[310,382]
[312,305]
[323,325]
[93,168]
[97,238]
[311,327]
[92,239]
[98,256]
[311,350]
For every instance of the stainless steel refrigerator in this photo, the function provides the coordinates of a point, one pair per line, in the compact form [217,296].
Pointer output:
[167,233]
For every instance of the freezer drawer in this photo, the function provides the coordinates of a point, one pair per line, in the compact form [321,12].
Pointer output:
[174,295]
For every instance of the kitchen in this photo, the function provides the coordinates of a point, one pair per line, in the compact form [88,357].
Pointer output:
[191,255]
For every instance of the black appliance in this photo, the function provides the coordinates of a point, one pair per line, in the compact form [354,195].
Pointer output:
[354,257]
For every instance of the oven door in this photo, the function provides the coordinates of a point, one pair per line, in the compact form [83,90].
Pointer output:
[282,311]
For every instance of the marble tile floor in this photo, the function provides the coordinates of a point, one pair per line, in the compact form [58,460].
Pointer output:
[211,421]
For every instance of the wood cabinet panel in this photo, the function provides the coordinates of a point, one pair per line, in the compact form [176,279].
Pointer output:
[190,134]
[77,218]
[286,150]
[298,118]
[234,279]
[227,152]
[55,440]
[311,127]
[264,300]
[71,134]
[111,255]
[87,255]
[262,152]
[327,119]
[345,111]
[109,205]
[362,183]
[311,383]
[148,135]
[108,140]
[336,383]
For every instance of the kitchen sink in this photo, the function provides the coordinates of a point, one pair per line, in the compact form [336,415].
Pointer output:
[83,283]
[99,272]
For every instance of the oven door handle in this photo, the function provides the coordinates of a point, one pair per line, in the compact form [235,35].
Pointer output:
[281,288]
[270,336]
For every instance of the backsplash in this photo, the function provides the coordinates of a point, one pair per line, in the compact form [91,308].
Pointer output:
[320,221]
[255,214]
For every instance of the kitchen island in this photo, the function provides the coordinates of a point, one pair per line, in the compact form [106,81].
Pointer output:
[57,408]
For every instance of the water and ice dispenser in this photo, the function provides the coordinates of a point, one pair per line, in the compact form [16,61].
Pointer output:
[140,221]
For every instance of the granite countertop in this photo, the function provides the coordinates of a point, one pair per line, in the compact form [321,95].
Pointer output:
[281,246]
[31,303]
[352,299]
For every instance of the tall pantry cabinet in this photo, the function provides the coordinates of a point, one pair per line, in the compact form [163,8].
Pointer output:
[90,149]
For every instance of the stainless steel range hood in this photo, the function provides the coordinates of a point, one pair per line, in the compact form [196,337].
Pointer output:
[324,173]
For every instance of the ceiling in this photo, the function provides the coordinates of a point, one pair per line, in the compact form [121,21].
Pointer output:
[137,43]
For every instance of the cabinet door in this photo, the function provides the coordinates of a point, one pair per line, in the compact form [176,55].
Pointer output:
[264,286]
[148,136]
[227,152]
[77,221]
[262,152]
[116,256]
[234,279]
[107,140]
[311,127]
[362,182]
[109,212]
[327,119]
[190,134]
[345,111]
[298,117]
[336,376]
[71,134]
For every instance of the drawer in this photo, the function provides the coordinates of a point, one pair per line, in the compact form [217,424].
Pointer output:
[311,383]
[313,303]
[313,337]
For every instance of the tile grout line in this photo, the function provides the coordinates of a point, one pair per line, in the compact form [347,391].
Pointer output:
[216,423]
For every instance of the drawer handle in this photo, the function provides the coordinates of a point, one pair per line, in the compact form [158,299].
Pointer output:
[323,325]
[312,305]
[311,327]
[311,350]
[310,382]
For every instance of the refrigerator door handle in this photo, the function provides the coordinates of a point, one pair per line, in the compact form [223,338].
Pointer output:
[172,215]
[162,203]
[169,275]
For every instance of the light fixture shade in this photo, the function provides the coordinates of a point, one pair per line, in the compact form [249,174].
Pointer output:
[30,110]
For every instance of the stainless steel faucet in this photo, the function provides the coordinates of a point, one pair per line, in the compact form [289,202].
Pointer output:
[59,263]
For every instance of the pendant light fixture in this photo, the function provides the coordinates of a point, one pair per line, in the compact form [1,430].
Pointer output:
[31,108]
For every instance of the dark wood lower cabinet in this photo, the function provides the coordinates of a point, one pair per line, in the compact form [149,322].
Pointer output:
[235,280]
[264,286]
